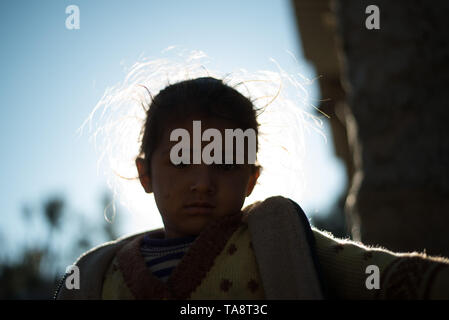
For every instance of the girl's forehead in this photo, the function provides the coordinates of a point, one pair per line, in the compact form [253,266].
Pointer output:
[193,125]
[205,122]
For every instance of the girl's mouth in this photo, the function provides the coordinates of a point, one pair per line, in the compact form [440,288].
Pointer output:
[200,204]
[199,207]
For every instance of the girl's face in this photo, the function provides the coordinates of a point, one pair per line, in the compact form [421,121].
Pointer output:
[190,196]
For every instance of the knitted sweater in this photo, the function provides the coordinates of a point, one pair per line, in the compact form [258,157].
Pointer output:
[220,264]
[269,252]
[413,275]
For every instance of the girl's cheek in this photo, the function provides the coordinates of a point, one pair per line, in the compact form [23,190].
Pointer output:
[166,195]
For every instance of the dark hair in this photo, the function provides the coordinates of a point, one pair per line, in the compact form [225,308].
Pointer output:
[205,96]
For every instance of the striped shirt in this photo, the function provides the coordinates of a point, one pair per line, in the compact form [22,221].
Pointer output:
[163,255]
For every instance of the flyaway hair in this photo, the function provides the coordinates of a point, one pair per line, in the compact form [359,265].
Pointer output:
[282,102]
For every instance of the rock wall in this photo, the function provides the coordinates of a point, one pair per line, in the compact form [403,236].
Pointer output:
[397,89]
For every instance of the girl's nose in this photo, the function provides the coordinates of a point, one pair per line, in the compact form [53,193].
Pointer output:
[202,180]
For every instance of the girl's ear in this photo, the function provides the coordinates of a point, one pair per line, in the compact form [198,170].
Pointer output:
[144,177]
[252,180]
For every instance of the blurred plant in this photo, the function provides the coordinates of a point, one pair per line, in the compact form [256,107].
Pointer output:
[53,210]
[25,277]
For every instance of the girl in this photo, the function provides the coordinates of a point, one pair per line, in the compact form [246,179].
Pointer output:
[211,248]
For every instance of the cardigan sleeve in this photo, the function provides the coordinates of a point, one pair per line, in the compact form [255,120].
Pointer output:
[349,270]
[93,266]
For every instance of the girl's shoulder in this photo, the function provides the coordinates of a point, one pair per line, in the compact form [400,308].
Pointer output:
[92,265]
[353,270]
[105,250]
[283,240]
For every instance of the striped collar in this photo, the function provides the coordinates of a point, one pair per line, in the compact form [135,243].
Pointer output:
[190,271]
[152,241]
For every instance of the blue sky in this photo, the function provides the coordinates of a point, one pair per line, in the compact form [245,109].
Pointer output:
[53,77]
